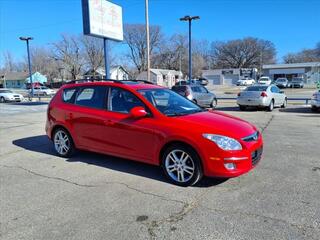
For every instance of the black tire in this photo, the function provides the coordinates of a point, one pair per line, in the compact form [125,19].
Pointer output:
[242,108]
[271,106]
[284,105]
[69,142]
[2,100]
[214,103]
[193,160]
[314,109]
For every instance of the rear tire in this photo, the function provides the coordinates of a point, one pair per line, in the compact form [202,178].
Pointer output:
[284,105]
[271,106]
[181,165]
[2,100]
[63,143]
[214,103]
[314,109]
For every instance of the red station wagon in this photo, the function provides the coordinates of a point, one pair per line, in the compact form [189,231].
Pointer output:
[152,124]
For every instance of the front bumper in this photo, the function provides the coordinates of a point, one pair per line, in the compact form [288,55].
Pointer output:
[243,160]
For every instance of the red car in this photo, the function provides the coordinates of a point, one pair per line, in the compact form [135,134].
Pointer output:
[152,124]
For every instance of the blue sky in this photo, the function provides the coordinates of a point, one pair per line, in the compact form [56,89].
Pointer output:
[290,24]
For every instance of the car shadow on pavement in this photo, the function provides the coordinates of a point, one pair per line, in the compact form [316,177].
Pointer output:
[42,144]
[29,103]
[297,110]
[237,109]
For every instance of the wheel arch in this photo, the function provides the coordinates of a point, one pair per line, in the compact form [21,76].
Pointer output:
[180,142]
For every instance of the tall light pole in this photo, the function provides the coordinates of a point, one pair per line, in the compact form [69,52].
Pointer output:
[27,39]
[148,39]
[189,19]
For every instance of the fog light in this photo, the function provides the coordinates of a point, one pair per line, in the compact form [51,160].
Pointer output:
[230,166]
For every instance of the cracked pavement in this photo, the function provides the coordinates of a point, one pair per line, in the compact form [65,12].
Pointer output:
[92,196]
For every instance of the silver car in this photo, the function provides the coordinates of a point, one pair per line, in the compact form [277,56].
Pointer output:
[198,94]
[262,96]
[315,101]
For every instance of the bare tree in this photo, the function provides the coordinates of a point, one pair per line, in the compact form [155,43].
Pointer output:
[9,63]
[69,52]
[93,52]
[243,53]
[135,38]
[306,55]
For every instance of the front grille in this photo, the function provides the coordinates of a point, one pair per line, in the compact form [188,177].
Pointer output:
[252,137]
[16,95]
[256,156]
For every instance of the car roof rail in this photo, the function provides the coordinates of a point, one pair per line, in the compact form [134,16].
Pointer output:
[108,80]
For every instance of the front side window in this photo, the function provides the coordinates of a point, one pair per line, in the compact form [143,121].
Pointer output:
[169,102]
[94,97]
[123,101]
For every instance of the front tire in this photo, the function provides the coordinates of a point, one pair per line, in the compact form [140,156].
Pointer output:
[182,165]
[63,143]
[242,108]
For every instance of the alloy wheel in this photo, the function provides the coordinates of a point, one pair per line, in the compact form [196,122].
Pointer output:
[179,166]
[62,142]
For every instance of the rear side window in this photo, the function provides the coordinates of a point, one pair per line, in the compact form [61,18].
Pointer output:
[69,95]
[93,97]
[196,89]
[179,88]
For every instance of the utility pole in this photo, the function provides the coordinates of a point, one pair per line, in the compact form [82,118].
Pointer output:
[148,39]
[27,39]
[189,19]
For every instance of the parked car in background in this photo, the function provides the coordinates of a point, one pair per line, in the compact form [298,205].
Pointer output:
[262,96]
[43,91]
[281,82]
[201,81]
[7,95]
[198,94]
[265,80]
[245,82]
[297,82]
[315,101]
[289,84]
[154,125]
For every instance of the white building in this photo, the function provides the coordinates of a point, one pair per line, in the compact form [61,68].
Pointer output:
[116,73]
[162,77]
[228,76]
[310,72]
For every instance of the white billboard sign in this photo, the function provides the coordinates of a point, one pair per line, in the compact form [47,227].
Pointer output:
[102,19]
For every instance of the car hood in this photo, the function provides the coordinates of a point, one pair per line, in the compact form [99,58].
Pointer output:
[215,122]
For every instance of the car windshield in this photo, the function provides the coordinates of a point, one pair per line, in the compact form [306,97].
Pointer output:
[5,91]
[264,79]
[256,88]
[169,102]
[281,80]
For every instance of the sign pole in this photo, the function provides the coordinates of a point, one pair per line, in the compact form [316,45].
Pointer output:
[106,58]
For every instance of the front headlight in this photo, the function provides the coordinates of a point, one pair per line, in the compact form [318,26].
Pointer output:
[223,142]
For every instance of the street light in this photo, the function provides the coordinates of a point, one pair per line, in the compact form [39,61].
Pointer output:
[27,39]
[189,19]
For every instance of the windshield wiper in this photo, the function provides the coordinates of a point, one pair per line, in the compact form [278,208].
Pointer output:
[185,113]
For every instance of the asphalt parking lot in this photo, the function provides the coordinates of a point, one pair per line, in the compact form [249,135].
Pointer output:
[92,196]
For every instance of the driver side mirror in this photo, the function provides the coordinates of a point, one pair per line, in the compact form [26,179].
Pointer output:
[138,112]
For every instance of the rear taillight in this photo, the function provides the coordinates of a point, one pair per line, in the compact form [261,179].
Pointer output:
[264,94]
[187,93]
[239,94]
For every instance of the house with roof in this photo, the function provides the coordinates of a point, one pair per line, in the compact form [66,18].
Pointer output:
[116,73]
[162,77]
[20,79]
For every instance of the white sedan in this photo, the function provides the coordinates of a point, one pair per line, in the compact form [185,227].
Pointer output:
[7,95]
[265,81]
[246,82]
[43,91]
[262,96]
